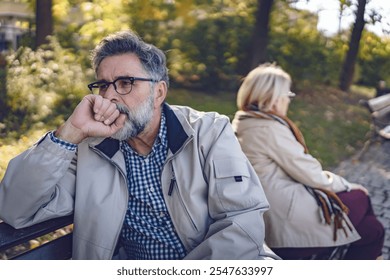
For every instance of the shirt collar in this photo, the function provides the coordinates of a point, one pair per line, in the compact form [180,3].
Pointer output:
[162,133]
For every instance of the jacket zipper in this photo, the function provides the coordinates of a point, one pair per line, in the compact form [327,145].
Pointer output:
[173,179]
[172,184]
[170,192]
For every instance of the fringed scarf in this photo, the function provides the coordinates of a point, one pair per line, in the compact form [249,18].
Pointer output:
[331,208]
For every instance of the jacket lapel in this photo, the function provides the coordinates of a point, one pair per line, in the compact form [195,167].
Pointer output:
[175,131]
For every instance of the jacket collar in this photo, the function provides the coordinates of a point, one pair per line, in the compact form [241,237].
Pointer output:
[242,115]
[175,133]
[108,146]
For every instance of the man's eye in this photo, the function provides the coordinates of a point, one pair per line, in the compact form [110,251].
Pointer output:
[125,83]
[102,86]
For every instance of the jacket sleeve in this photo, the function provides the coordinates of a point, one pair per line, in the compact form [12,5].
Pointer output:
[38,185]
[289,155]
[236,199]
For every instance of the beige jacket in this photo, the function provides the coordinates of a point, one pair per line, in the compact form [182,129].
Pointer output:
[212,193]
[283,168]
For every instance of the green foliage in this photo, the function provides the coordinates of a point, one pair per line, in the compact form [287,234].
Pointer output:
[3,95]
[374,59]
[211,52]
[42,85]
[80,25]
[296,45]
[205,40]
[156,21]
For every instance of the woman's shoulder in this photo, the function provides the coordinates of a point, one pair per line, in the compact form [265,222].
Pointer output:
[268,130]
[253,122]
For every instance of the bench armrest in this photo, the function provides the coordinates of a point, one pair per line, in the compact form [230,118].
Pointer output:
[10,237]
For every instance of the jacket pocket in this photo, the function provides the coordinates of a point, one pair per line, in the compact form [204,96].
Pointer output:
[234,187]
[226,168]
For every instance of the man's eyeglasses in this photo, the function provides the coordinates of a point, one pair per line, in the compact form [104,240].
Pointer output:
[122,85]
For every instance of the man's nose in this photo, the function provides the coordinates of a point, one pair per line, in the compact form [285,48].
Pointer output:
[111,93]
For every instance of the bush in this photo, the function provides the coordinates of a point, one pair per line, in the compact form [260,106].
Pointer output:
[42,84]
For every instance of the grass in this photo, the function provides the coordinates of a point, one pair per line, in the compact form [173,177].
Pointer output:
[222,102]
[335,126]
[333,123]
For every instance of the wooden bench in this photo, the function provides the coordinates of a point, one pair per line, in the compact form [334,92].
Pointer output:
[55,249]
[379,108]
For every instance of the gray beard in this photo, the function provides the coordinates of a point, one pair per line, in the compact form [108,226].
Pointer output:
[137,119]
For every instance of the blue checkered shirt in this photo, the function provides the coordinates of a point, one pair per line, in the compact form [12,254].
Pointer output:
[148,232]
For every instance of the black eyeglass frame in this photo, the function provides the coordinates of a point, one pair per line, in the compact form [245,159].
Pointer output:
[98,84]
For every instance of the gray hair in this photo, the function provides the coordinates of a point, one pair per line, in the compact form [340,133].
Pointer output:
[153,60]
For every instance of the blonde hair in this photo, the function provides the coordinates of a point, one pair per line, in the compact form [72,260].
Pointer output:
[262,86]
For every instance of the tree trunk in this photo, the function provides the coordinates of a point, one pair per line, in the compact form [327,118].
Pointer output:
[260,35]
[44,21]
[348,69]
[3,87]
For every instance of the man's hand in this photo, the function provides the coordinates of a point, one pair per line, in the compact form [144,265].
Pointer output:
[94,116]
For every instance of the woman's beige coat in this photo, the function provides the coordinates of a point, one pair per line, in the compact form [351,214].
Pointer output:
[294,219]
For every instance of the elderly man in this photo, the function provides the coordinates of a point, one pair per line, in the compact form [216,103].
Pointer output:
[145,180]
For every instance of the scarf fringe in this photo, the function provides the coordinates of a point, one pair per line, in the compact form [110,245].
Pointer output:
[332,210]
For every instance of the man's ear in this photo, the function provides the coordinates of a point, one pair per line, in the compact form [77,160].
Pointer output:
[161,93]
[275,105]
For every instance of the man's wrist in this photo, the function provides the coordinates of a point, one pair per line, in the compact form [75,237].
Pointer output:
[62,143]
[68,135]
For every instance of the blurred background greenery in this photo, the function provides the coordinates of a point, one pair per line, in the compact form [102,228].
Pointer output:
[209,46]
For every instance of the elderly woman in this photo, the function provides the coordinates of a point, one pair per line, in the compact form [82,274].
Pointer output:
[314,214]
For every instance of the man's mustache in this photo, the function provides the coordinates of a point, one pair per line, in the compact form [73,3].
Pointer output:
[123,109]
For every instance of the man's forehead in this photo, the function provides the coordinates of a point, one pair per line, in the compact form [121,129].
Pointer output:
[120,66]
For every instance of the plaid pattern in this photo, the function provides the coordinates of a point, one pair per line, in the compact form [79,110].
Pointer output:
[62,143]
[148,232]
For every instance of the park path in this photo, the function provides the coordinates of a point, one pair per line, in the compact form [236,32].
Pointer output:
[371,168]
